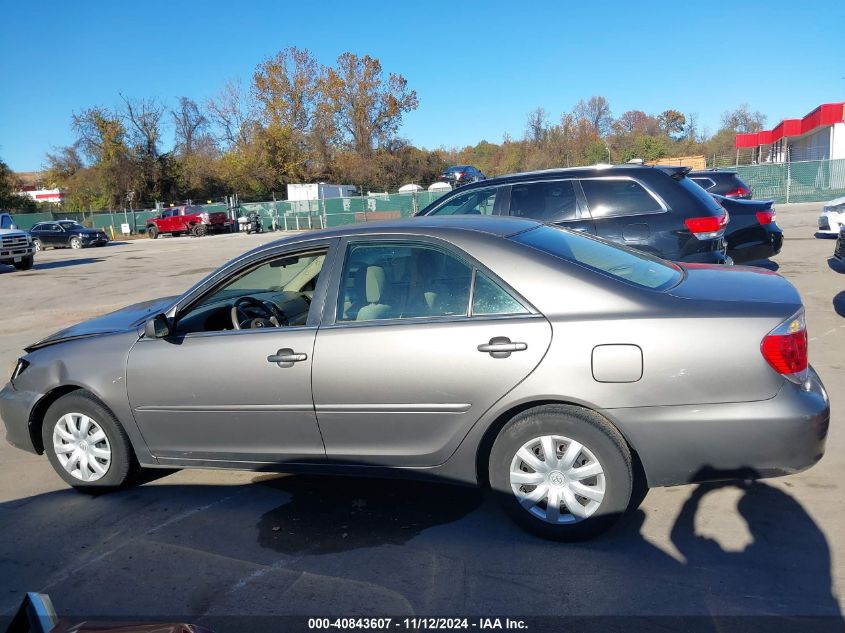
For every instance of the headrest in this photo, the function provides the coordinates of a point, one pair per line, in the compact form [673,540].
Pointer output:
[375,283]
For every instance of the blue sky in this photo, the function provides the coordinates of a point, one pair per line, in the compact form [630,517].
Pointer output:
[478,67]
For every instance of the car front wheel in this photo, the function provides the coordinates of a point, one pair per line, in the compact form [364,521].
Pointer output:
[75,242]
[562,472]
[152,232]
[86,445]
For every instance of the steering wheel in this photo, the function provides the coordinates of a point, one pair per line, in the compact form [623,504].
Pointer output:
[272,316]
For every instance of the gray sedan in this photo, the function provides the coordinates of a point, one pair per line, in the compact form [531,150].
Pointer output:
[566,373]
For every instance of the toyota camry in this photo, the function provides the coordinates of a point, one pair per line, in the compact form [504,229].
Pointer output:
[565,373]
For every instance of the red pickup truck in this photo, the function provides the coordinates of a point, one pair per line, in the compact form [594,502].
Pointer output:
[187,219]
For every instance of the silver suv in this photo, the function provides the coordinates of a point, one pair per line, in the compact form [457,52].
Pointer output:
[16,246]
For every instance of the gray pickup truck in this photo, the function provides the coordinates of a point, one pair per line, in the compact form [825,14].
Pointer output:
[16,247]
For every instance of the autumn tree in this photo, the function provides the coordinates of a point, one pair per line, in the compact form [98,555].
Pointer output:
[671,122]
[367,106]
[10,200]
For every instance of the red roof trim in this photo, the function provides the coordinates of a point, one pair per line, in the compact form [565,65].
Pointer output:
[825,114]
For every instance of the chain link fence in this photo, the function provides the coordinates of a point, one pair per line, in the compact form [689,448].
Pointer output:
[808,181]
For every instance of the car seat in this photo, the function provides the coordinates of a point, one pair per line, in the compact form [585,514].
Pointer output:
[376,285]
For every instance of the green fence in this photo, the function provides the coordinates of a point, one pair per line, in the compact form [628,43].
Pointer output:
[806,181]
[282,215]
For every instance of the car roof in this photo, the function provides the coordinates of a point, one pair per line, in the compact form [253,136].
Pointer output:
[499,226]
[587,171]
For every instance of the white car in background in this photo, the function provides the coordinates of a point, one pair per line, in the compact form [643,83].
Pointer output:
[832,218]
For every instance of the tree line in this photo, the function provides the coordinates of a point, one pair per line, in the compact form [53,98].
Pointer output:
[300,121]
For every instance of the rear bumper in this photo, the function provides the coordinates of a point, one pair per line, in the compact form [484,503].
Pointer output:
[682,444]
[752,244]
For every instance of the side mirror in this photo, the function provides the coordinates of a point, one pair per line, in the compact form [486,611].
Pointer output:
[157,327]
[13,226]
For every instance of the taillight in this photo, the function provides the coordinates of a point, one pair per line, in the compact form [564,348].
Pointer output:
[785,348]
[766,217]
[708,226]
[739,192]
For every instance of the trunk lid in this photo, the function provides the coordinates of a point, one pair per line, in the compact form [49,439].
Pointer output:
[706,282]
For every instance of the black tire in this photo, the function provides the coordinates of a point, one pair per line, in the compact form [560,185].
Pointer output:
[25,264]
[123,465]
[591,430]
[200,230]
[152,232]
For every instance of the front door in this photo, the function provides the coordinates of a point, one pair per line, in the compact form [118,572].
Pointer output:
[234,380]
[418,351]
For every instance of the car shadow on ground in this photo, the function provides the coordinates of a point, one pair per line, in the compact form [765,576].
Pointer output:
[63,263]
[839,304]
[430,547]
[768,264]
[836,266]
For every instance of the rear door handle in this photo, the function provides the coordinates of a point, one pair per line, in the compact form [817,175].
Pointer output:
[501,347]
[286,356]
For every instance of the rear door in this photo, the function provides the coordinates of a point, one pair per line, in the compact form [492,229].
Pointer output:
[623,210]
[416,344]
[552,201]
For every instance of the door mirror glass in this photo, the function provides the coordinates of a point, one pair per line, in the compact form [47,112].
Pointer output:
[157,327]
[13,226]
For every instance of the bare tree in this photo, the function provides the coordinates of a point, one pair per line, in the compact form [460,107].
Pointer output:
[189,122]
[232,114]
[144,123]
[537,126]
[596,111]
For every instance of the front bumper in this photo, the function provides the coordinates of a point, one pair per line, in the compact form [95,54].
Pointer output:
[15,408]
[768,438]
[12,254]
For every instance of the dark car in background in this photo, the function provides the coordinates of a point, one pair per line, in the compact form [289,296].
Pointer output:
[459,175]
[655,209]
[66,234]
[752,233]
[720,182]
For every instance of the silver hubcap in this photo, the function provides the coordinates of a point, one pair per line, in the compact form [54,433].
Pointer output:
[75,243]
[81,447]
[557,479]
[37,245]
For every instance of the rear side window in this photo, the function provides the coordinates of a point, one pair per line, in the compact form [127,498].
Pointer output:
[632,266]
[488,297]
[608,197]
[706,183]
[552,201]
[704,199]
[475,202]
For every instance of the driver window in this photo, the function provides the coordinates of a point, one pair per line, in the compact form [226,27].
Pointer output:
[277,293]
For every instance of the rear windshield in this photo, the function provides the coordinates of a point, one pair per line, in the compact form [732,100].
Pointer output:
[632,266]
[452,170]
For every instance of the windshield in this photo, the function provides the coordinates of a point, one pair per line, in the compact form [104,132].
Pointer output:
[68,225]
[632,266]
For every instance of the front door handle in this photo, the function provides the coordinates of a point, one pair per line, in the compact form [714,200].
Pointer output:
[286,357]
[501,347]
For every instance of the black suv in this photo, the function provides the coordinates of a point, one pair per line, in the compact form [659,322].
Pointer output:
[721,183]
[655,209]
[460,175]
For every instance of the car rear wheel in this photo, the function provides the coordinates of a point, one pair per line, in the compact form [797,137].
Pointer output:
[152,231]
[86,445]
[25,263]
[75,242]
[561,472]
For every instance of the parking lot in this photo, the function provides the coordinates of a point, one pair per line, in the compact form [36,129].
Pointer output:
[201,545]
